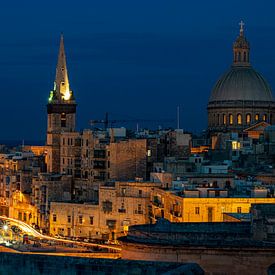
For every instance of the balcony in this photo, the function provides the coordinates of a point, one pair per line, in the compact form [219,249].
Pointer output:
[121,210]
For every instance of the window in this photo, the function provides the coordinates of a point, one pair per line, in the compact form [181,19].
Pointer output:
[80,219]
[244,56]
[218,119]
[239,119]
[54,218]
[230,119]
[239,210]
[91,220]
[69,219]
[257,117]
[248,118]
[197,210]
[123,191]
[264,117]
[63,120]
[139,211]
[140,193]
[224,119]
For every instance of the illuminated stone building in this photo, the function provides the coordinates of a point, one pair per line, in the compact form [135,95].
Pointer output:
[241,97]
[61,111]
[199,205]
[120,205]
[47,188]
[16,173]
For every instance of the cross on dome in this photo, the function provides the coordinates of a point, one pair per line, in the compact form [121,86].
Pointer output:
[241,27]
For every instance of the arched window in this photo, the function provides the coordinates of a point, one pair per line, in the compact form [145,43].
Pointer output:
[248,118]
[239,56]
[264,117]
[235,57]
[257,116]
[244,56]
[239,119]
[218,119]
[224,119]
[230,119]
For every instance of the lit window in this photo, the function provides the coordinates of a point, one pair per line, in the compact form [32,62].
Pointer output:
[256,117]
[224,119]
[239,210]
[230,119]
[236,145]
[54,218]
[239,119]
[248,119]
[264,117]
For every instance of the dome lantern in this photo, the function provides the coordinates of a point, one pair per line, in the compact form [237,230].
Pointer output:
[241,49]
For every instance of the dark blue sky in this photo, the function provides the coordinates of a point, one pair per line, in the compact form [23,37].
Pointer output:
[135,59]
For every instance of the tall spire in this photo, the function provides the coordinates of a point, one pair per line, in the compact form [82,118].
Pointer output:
[241,49]
[61,91]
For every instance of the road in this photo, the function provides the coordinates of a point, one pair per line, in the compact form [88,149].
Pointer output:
[31,231]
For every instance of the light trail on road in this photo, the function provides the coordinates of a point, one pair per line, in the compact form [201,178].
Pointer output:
[31,231]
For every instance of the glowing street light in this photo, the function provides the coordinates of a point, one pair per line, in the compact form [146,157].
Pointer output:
[5,227]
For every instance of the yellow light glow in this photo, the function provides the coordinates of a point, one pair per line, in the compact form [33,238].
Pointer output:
[67,95]
[236,145]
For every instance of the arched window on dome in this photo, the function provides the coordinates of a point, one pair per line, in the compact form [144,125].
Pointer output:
[224,119]
[230,119]
[218,119]
[248,118]
[257,116]
[239,119]
[235,57]
[244,56]
[264,117]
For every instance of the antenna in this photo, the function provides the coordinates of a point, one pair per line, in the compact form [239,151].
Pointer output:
[178,117]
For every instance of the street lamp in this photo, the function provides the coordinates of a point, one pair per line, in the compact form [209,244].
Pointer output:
[5,227]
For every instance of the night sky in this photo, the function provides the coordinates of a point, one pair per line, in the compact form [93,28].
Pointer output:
[134,59]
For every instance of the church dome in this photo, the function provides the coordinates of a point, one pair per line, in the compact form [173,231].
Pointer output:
[241,97]
[241,83]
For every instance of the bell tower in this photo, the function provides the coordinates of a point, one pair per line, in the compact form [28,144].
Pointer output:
[61,109]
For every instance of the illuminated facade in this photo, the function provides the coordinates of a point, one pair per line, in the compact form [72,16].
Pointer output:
[61,110]
[241,97]
[193,208]
[120,205]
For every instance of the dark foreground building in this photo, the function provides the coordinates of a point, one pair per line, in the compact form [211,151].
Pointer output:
[26,264]
[219,248]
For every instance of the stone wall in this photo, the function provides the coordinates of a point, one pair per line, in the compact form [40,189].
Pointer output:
[11,264]
[233,261]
